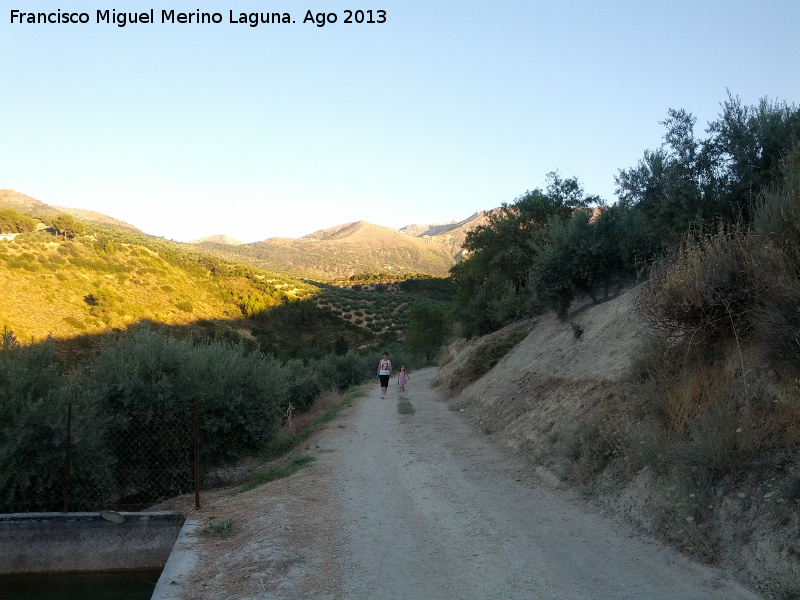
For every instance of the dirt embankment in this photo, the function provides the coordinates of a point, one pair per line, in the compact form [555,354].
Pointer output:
[563,375]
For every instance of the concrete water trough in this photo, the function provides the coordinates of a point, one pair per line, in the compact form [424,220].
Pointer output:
[60,542]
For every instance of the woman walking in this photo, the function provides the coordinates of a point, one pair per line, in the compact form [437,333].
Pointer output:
[384,372]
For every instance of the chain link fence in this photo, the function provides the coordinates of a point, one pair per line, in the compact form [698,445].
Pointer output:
[72,463]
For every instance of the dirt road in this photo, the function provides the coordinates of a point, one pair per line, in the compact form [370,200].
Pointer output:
[423,507]
[432,510]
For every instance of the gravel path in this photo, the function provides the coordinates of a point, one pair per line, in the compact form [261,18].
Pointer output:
[428,508]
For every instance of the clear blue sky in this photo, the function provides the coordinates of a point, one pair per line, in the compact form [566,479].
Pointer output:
[448,108]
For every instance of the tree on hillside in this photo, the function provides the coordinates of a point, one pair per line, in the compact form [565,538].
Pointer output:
[12,221]
[68,226]
[543,250]
[507,243]
[7,339]
[341,346]
[690,181]
[491,282]
[587,255]
[428,328]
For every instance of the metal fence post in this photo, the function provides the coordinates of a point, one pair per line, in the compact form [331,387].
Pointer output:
[196,455]
[68,458]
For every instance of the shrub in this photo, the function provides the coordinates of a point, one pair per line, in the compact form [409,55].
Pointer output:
[33,401]
[221,529]
[584,453]
[776,321]
[719,287]
[148,374]
[341,372]
[12,221]
[184,306]
[74,322]
[67,248]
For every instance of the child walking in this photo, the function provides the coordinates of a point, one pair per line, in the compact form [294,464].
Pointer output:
[402,377]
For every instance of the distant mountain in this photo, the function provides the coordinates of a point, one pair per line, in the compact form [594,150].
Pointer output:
[452,234]
[346,250]
[224,240]
[31,206]
[349,249]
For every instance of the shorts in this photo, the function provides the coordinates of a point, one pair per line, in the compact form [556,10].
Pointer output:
[384,380]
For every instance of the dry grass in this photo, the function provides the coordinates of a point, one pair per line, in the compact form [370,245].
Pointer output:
[585,452]
[301,426]
[301,422]
[483,358]
[707,291]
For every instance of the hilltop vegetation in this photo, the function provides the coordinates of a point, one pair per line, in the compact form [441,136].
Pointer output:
[9,199]
[12,221]
[550,246]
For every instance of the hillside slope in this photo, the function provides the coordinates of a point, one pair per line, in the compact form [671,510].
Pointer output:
[565,402]
[451,235]
[66,288]
[551,376]
[107,279]
[345,250]
[26,204]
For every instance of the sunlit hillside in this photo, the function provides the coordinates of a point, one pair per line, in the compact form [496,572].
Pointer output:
[72,287]
[26,204]
[343,251]
[107,279]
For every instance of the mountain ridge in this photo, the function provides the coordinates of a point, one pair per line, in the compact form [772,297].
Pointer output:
[361,247]
[341,251]
[346,250]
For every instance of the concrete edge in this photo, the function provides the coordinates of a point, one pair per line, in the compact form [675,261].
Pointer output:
[85,516]
[182,561]
[86,541]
